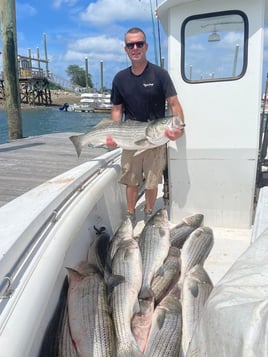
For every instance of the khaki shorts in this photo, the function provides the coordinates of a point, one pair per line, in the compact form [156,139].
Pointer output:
[148,165]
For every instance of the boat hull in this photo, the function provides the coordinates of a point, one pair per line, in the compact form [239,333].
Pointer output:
[66,211]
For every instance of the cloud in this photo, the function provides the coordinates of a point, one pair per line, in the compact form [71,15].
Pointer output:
[96,48]
[108,11]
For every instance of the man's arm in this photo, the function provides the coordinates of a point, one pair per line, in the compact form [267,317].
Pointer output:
[117,112]
[116,115]
[176,110]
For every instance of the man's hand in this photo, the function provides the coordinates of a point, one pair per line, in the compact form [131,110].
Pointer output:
[174,134]
[110,143]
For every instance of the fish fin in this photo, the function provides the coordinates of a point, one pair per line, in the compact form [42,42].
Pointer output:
[194,288]
[113,281]
[146,293]
[74,272]
[141,142]
[160,271]
[83,269]
[76,142]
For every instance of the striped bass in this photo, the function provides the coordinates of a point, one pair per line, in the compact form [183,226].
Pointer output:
[196,249]
[154,245]
[181,231]
[129,135]
[165,335]
[90,321]
[196,289]
[162,284]
[123,233]
[127,269]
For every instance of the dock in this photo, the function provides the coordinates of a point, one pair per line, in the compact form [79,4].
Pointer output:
[27,163]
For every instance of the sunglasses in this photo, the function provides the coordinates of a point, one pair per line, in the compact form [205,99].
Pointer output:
[139,44]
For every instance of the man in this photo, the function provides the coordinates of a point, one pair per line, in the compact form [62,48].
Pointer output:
[140,93]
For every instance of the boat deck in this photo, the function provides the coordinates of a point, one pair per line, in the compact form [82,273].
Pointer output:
[26,163]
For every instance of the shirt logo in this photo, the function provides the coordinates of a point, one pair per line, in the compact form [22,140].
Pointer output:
[148,85]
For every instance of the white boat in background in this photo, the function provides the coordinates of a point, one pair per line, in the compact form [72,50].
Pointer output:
[214,169]
[92,102]
[103,104]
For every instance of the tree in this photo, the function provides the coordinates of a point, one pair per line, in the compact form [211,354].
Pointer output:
[78,76]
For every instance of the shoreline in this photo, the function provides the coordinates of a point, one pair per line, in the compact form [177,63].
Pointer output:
[58,97]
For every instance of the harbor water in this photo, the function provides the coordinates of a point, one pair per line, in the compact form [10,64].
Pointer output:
[50,120]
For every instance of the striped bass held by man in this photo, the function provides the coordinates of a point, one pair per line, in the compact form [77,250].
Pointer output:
[129,135]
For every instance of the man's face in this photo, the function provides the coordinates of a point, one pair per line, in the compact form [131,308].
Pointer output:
[136,47]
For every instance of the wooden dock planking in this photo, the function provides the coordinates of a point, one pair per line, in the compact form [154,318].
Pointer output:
[27,163]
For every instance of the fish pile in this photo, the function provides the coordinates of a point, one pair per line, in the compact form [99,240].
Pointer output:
[138,296]
[129,134]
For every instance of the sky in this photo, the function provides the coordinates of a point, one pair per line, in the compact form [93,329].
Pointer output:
[76,29]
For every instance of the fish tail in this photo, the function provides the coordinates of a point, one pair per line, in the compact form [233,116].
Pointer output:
[77,144]
[146,293]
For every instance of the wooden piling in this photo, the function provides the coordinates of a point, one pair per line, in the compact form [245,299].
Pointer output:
[10,66]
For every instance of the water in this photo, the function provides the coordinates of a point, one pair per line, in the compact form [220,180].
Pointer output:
[50,120]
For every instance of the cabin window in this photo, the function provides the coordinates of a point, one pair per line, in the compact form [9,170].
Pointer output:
[214,46]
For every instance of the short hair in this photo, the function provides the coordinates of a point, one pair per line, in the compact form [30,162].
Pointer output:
[135,30]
